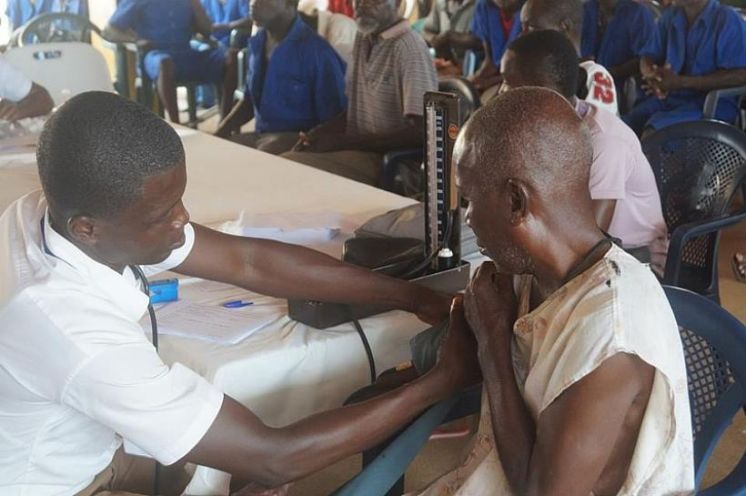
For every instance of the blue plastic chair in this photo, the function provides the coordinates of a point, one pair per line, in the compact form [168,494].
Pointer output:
[698,167]
[714,349]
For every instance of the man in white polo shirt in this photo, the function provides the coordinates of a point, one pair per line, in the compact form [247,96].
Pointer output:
[77,373]
[19,96]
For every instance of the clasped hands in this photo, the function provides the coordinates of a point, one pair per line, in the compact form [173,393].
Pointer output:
[660,80]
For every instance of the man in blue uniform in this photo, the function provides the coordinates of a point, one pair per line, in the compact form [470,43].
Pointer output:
[164,29]
[227,15]
[614,34]
[699,46]
[496,23]
[295,80]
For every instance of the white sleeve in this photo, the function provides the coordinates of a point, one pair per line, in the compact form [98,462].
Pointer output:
[601,89]
[163,410]
[176,257]
[14,86]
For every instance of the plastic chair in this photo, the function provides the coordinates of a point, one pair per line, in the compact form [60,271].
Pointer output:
[64,69]
[393,161]
[698,167]
[714,346]
[384,475]
[714,349]
[54,27]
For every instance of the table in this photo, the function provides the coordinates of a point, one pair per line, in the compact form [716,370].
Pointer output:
[289,370]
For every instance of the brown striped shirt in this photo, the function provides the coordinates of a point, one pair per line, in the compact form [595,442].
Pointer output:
[386,80]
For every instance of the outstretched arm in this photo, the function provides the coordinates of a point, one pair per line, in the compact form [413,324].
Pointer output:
[239,443]
[290,271]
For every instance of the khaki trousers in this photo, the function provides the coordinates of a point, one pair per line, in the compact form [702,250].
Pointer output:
[364,167]
[129,475]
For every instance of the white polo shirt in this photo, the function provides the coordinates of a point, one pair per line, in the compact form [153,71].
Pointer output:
[77,373]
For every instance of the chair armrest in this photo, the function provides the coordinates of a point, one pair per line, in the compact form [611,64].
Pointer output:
[685,232]
[391,161]
[711,101]
[239,37]
[378,477]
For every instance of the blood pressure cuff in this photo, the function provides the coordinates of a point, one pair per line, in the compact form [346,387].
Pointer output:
[425,346]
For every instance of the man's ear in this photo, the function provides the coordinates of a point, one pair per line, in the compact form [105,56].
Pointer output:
[519,196]
[83,229]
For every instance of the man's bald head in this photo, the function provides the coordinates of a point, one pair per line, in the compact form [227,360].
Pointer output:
[523,162]
[565,16]
[529,133]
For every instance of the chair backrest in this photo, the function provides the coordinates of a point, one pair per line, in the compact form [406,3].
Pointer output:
[468,96]
[714,349]
[53,27]
[64,69]
[698,167]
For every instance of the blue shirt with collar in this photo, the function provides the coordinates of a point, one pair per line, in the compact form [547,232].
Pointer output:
[19,12]
[623,39]
[487,26]
[166,23]
[716,40]
[302,84]
[223,12]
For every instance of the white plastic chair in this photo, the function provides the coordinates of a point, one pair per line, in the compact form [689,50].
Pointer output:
[64,69]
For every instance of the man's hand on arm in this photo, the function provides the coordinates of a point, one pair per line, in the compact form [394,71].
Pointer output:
[567,450]
[290,271]
[239,443]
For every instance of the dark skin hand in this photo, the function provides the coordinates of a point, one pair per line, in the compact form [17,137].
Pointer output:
[584,440]
[36,103]
[488,74]
[331,137]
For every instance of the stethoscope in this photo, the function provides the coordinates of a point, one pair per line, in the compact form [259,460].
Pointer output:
[136,270]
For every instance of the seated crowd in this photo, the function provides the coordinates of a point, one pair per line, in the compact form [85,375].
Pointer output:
[565,324]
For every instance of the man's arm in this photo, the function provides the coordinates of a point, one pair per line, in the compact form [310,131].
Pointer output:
[603,211]
[116,35]
[290,271]
[626,69]
[36,102]
[323,133]
[726,78]
[488,74]
[202,23]
[241,113]
[239,443]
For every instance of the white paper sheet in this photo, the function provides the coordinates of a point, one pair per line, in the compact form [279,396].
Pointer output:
[213,323]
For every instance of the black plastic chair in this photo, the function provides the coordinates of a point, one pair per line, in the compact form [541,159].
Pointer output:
[698,167]
[53,27]
[394,161]
[714,346]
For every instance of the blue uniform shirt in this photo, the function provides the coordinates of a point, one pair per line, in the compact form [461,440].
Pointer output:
[166,23]
[19,12]
[716,40]
[300,87]
[225,12]
[487,26]
[627,33]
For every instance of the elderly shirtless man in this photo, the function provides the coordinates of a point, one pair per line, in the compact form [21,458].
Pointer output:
[584,376]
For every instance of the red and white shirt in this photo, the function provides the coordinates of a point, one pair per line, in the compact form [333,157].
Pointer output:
[601,89]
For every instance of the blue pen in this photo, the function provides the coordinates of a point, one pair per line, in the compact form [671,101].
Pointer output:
[237,303]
